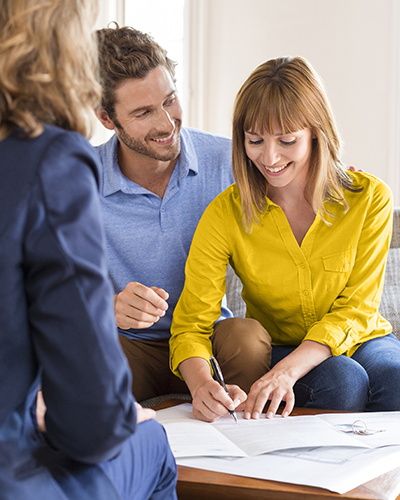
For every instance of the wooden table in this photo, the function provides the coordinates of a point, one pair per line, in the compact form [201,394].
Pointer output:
[198,484]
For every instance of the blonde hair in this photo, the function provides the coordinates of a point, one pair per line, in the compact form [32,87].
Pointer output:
[48,65]
[287,91]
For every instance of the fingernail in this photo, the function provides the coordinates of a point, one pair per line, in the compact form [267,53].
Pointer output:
[236,402]
[247,415]
[270,414]
[285,414]
[256,415]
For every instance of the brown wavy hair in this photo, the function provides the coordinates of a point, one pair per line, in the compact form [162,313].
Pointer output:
[288,90]
[48,65]
[126,53]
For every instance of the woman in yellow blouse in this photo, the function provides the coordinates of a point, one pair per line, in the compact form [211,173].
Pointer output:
[309,241]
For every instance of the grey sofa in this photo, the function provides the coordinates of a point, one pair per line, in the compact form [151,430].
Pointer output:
[390,303]
[389,308]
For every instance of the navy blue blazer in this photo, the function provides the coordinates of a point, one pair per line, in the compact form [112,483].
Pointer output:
[57,324]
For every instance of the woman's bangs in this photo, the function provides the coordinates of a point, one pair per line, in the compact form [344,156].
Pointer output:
[268,110]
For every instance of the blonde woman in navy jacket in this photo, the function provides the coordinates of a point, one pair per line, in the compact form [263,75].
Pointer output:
[309,241]
[57,322]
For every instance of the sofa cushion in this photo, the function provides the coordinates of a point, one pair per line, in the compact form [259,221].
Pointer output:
[390,303]
[396,228]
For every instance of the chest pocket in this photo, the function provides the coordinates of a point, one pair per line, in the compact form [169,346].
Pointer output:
[338,267]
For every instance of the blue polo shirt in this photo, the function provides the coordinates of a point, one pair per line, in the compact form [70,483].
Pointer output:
[148,237]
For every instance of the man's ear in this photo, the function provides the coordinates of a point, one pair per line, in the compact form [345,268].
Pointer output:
[103,117]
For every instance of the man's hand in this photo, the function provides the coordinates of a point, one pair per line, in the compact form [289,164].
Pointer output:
[143,414]
[139,306]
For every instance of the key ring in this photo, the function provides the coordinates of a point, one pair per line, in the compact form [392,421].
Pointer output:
[363,431]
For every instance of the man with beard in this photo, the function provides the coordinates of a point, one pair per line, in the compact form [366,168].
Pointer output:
[157,180]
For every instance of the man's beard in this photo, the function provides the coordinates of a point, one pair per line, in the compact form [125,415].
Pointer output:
[140,146]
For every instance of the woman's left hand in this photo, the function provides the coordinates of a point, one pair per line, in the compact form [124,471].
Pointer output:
[143,414]
[276,386]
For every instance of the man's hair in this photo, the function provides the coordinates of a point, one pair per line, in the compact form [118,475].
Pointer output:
[126,53]
[287,91]
[48,65]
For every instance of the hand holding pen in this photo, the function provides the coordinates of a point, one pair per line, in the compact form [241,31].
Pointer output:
[220,379]
[210,401]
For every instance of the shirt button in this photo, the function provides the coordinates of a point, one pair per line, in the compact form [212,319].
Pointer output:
[302,265]
[305,292]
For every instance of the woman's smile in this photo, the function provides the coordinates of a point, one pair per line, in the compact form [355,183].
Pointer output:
[277,170]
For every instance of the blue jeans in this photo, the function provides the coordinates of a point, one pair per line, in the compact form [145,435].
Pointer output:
[368,381]
[145,468]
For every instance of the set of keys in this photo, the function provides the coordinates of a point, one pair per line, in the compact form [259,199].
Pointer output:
[360,428]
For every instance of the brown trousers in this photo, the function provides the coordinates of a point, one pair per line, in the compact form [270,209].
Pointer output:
[241,345]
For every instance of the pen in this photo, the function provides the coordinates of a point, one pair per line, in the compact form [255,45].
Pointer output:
[220,379]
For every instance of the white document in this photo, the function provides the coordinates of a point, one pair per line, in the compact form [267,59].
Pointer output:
[189,437]
[386,422]
[256,437]
[197,439]
[176,413]
[337,477]
[313,450]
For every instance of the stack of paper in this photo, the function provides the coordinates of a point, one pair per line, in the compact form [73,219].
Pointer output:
[314,450]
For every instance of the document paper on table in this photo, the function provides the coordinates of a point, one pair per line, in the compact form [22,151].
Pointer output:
[308,450]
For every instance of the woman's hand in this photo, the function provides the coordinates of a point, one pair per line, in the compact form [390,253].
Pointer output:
[210,401]
[277,384]
[40,411]
[143,414]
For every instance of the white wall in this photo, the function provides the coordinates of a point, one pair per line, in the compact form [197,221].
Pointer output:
[353,45]
[110,10]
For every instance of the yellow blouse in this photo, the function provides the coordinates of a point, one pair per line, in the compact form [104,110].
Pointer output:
[327,290]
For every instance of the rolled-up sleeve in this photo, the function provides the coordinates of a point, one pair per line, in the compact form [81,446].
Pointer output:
[200,303]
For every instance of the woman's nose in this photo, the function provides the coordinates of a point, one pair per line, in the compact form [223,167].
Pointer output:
[270,155]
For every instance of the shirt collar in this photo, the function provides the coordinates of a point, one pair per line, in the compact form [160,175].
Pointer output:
[188,161]
[114,180]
